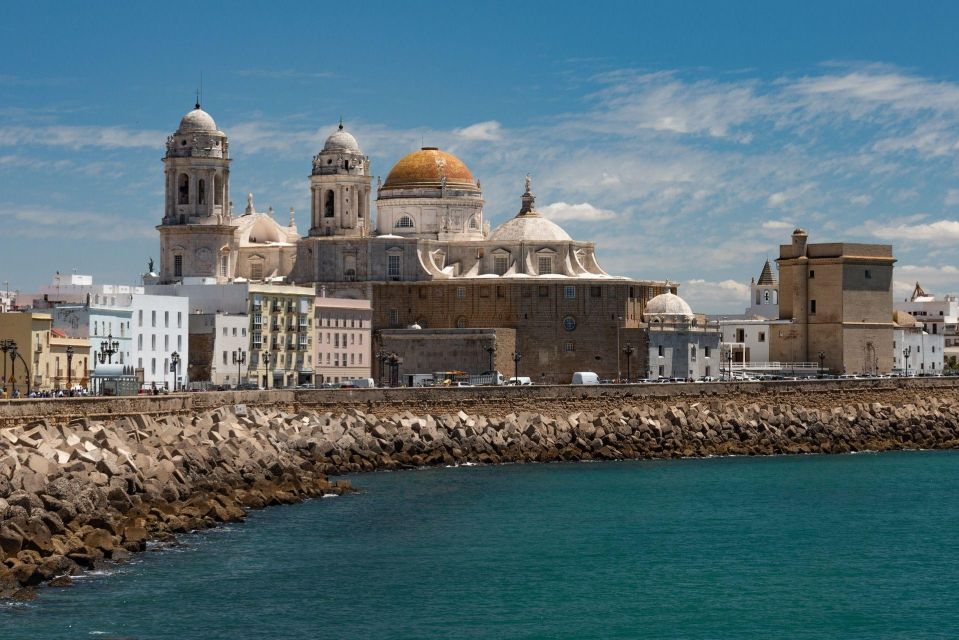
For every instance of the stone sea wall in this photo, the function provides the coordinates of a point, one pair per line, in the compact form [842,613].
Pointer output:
[75,493]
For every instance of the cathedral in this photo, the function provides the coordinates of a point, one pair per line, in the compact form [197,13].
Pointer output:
[429,258]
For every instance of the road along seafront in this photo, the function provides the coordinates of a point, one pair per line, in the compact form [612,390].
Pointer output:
[95,479]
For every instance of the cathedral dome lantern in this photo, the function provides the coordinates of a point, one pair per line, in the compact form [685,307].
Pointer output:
[342,141]
[529,225]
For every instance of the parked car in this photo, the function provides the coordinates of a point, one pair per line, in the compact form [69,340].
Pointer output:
[585,377]
[521,381]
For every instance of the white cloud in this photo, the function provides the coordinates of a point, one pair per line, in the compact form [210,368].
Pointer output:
[860,199]
[724,296]
[939,231]
[46,222]
[937,280]
[489,130]
[285,74]
[778,225]
[77,137]
[583,211]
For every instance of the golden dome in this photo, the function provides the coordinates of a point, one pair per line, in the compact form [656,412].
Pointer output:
[427,168]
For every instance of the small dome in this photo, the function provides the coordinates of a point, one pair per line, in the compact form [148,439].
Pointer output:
[529,229]
[427,168]
[197,120]
[668,304]
[342,140]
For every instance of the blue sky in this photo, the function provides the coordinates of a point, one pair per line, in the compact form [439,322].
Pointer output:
[686,139]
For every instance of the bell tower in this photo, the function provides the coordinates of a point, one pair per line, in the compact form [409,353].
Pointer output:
[196,230]
[340,189]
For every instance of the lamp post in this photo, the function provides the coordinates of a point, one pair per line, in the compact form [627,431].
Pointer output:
[729,363]
[107,348]
[69,367]
[239,357]
[14,354]
[5,345]
[266,363]
[393,361]
[174,367]
[905,354]
[619,371]
[628,350]
[822,359]
[491,350]
[517,356]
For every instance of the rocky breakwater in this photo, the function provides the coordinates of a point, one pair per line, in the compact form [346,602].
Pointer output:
[73,496]
[76,494]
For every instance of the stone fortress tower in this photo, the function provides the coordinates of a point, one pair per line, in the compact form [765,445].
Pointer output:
[196,218]
[340,189]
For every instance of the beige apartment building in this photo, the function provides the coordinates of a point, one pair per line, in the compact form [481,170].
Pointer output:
[838,299]
[281,328]
[343,339]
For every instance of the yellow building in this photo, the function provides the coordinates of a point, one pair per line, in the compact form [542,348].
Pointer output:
[281,341]
[35,356]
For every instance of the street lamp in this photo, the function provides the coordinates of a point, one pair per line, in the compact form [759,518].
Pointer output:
[174,366]
[822,359]
[266,363]
[69,367]
[905,354]
[491,350]
[5,346]
[12,350]
[239,357]
[729,363]
[628,350]
[393,361]
[517,356]
[619,371]
[107,348]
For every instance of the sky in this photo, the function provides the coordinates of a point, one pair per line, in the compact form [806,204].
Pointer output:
[687,140]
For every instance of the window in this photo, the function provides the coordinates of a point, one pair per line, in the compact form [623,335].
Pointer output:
[328,205]
[812,274]
[166,343]
[661,351]
[394,317]
[569,323]
[393,266]
[224,357]
[544,291]
[217,190]
[766,297]
[500,265]
[179,343]
[201,192]
[812,306]
[224,265]
[140,342]
[256,271]
[484,292]
[153,365]
[740,335]
[706,352]
[474,224]
[545,265]
[178,266]
[868,274]
[153,342]
[569,292]
[499,292]
[461,322]
[569,347]
[762,336]
[405,222]
[257,339]
[140,318]
[692,353]
[595,292]
[179,319]
[184,189]
[460,293]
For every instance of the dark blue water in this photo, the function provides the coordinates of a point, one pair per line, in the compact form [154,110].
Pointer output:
[857,546]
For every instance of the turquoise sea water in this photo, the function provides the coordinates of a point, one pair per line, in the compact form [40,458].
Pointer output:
[856,546]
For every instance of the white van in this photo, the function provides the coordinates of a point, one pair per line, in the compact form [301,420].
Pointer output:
[359,383]
[520,381]
[585,377]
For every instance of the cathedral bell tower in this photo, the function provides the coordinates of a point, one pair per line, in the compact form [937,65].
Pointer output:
[340,189]
[196,233]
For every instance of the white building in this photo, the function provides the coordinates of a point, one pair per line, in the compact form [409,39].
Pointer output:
[147,328]
[939,317]
[681,344]
[915,350]
[746,338]
[764,295]
[343,339]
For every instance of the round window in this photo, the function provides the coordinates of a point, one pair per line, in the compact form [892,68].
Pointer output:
[569,323]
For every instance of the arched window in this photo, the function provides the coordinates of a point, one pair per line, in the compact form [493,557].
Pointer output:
[217,189]
[328,207]
[184,189]
[405,222]
[461,322]
[360,199]
[201,192]
[766,296]
[473,224]
[346,164]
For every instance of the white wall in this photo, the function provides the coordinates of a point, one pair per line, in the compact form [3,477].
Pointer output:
[160,327]
[926,354]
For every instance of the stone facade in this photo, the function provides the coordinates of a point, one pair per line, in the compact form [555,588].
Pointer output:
[427,351]
[838,297]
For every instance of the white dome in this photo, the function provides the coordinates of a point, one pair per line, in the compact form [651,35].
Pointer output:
[668,304]
[197,120]
[529,228]
[342,141]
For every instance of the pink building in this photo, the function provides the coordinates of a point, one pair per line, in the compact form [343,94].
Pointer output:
[343,345]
